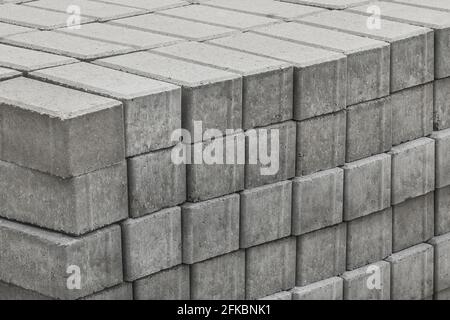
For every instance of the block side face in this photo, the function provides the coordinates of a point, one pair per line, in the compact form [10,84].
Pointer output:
[330,289]
[441,115]
[442,210]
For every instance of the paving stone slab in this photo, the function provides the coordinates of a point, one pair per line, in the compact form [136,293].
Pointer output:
[60,131]
[412,47]
[441,114]
[176,27]
[220,278]
[412,273]
[65,44]
[368,60]
[442,145]
[321,254]
[162,230]
[329,289]
[120,292]
[44,261]
[317,201]
[442,211]
[209,95]
[320,75]
[210,228]
[284,295]
[8,73]
[267,83]
[369,239]
[441,5]
[433,19]
[150,5]
[372,282]
[152,109]
[270,268]
[329,4]
[170,284]
[441,246]
[7,29]
[367,186]
[413,169]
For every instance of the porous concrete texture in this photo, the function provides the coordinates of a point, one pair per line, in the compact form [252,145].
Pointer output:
[149,5]
[441,114]
[329,289]
[441,247]
[284,295]
[10,29]
[442,146]
[329,4]
[441,5]
[442,211]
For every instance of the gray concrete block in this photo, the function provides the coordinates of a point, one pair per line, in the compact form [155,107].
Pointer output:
[15,293]
[220,278]
[153,5]
[412,273]
[7,29]
[320,75]
[282,157]
[171,284]
[369,239]
[163,231]
[60,131]
[433,19]
[329,4]
[73,206]
[152,109]
[441,247]
[329,289]
[368,60]
[369,129]
[267,83]
[442,211]
[176,27]
[155,182]
[6,74]
[412,47]
[321,143]
[47,262]
[412,113]
[317,201]
[442,146]
[441,114]
[321,254]
[210,228]
[265,214]
[227,178]
[270,268]
[283,295]
[29,60]
[122,291]
[413,222]
[371,282]
[442,5]
[442,295]
[367,186]
[209,95]
[413,168]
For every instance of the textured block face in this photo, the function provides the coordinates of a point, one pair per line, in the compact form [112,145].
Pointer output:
[209,95]
[329,4]
[412,273]
[329,289]
[443,295]
[150,5]
[270,268]
[7,29]
[12,292]
[163,231]
[120,292]
[369,129]
[321,254]
[369,239]
[442,211]
[321,143]
[441,262]
[371,282]
[171,284]
[367,186]
[221,278]
[65,44]
[74,206]
[442,145]
[441,104]
[441,5]
[368,60]
[265,214]
[412,115]
[210,228]
[413,166]
[281,164]
[177,27]
[60,131]
[152,108]
[412,47]
[155,182]
[228,178]
[284,295]
[317,201]
[8,73]
[41,261]
[29,60]
[267,83]
[320,74]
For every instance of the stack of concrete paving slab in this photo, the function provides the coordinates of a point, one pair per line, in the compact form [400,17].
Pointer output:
[352,200]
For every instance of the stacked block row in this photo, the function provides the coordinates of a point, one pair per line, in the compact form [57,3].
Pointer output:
[355,183]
